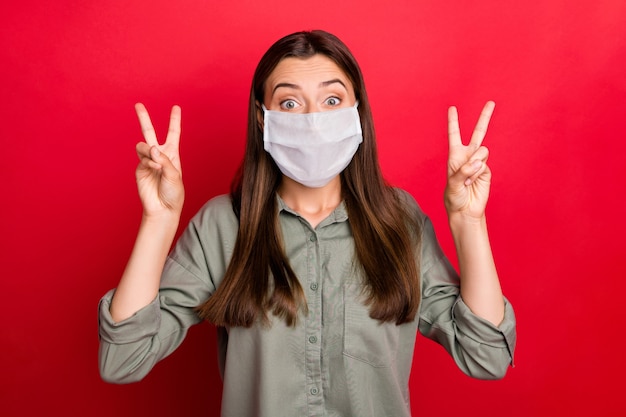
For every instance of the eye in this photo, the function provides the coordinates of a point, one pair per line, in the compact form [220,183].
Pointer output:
[333,101]
[288,105]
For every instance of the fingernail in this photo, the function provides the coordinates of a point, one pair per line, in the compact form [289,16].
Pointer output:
[155,152]
[477,164]
[468,181]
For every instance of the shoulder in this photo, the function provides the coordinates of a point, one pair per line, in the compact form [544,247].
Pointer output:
[421,226]
[217,212]
[205,246]
[410,205]
[211,230]
[218,205]
[431,252]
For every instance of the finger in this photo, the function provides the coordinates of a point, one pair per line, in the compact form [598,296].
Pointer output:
[481,154]
[472,168]
[144,153]
[143,150]
[483,122]
[484,169]
[454,132]
[173,131]
[146,125]
[477,165]
[467,174]
[149,164]
[168,169]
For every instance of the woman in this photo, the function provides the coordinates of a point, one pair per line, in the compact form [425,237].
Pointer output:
[317,274]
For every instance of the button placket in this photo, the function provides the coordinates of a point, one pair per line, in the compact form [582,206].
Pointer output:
[313,324]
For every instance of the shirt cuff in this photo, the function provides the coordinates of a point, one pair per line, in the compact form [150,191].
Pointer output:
[144,323]
[483,331]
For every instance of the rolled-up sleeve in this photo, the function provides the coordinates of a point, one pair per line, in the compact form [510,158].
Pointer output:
[129,349]
[479,348]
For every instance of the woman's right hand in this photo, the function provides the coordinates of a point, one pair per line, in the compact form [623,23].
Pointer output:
[159,174]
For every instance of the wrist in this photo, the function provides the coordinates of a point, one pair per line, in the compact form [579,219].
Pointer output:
[166,220]
[461,218]
[461,223]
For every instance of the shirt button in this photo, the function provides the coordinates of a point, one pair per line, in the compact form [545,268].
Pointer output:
[313,339]
[314,286]
[314,391]
[313,238]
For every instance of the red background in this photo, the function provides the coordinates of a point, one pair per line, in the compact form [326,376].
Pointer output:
[71,71]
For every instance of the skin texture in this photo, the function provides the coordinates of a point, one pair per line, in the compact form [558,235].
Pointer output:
[302,86]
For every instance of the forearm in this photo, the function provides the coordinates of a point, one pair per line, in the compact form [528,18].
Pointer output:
[140,281]
[480,285]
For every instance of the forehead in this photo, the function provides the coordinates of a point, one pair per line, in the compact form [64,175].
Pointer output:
[300,70]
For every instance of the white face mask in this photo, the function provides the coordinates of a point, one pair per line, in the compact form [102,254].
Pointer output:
[312,148]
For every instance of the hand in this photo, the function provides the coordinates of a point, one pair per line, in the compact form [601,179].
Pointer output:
[159,174]
[469,177]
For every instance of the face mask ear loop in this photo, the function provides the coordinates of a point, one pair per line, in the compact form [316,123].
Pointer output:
[261,122]
[265,110]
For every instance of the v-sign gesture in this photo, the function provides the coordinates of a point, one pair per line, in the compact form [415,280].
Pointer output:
[161,190]
[159,174]
[469,177]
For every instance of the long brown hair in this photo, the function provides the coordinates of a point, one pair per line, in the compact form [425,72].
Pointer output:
[259,278]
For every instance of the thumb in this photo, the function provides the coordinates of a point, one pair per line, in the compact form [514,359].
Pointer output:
[168,169]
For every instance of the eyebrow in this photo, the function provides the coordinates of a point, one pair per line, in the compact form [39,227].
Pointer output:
[286,85]
[297,87]
[330,82]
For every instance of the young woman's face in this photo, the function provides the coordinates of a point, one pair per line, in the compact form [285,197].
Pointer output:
[307,86]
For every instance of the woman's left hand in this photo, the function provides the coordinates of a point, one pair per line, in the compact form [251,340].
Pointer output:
[469,177]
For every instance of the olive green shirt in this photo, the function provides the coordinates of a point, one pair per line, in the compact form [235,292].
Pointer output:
[337,361]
